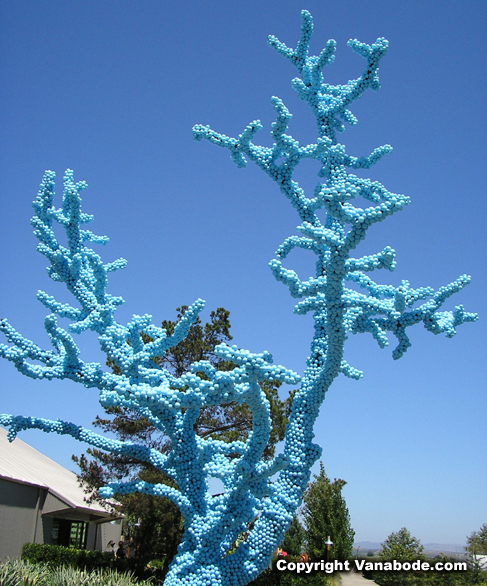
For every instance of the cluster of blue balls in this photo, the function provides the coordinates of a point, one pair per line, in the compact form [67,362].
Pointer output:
[341,296]
[256,506]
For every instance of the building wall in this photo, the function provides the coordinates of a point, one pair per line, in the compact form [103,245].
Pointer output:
[47,523]
[91,536]
[20,517]
[27,514]
[111,531]
[53,504]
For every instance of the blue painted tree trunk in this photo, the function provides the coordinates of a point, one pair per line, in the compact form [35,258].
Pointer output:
[260,496]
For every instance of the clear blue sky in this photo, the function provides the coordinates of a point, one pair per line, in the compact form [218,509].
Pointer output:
[112,89]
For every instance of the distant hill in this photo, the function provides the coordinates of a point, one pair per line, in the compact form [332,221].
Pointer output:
[428,547]
[445,547]
[368,545]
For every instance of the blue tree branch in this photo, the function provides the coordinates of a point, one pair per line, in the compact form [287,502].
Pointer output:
[261,494]
[140,452]
[337,310]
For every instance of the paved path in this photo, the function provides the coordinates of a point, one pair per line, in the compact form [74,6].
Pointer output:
[353,579]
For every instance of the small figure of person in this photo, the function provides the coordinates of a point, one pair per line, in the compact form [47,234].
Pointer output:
[120,550]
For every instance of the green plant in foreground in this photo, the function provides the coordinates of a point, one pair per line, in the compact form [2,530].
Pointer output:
[21,573]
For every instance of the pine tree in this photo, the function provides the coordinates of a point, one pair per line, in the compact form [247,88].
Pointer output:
[326,515]
[153,523]
[294,538]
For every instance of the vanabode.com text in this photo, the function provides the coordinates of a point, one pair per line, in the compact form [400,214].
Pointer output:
[360,565]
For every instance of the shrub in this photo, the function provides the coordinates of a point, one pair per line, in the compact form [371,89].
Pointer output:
[57,556]
[21,573]
[15,573]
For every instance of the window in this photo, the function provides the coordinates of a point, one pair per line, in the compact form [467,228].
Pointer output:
[77,535]
[69,533]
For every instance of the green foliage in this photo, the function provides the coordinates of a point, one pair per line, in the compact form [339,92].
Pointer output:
[402,547]
[154,524]
[22,573]
[57,556]
[19,573]
[232,421]
[294,538]
[477,541]
[445,578]
[326,515]
[156,564]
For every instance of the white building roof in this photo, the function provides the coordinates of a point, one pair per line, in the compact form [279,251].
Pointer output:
[23,463]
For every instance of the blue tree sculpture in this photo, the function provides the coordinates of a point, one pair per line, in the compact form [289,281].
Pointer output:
[260,496]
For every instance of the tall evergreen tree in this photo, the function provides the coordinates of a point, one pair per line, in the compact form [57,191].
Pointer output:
[326,515]
[294,538]
[155,523]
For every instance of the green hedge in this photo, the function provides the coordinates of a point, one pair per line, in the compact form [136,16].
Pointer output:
[56,556]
